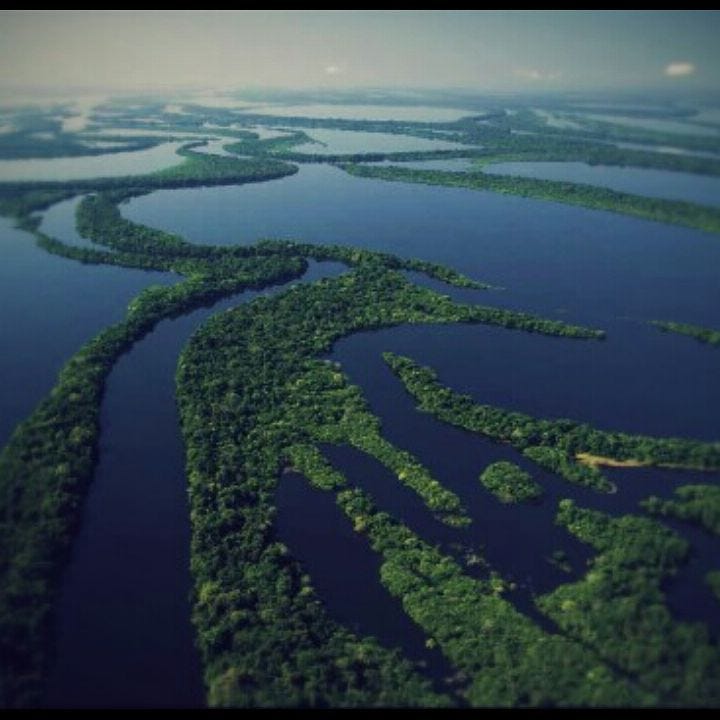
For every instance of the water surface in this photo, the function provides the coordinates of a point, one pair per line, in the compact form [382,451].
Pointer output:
[49,307]
[137,162]
[344,142]
[569,262]
[409,113]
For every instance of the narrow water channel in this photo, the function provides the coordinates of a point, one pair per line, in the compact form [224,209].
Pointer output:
[123,631]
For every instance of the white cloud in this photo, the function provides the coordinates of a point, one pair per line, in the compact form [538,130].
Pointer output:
[333,70]
[679,69]
[536,75]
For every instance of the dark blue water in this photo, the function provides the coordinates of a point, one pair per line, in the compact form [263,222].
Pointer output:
[123,631]
[49,307]
[123,636]
[701,189]
[551,257]
[620,383]
[517,540]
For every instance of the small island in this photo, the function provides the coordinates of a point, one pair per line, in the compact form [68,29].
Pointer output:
[701,334]
[510,483]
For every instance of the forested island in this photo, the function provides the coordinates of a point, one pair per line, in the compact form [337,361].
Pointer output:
[701,334]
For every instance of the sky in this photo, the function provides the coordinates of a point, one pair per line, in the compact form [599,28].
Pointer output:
[482,50]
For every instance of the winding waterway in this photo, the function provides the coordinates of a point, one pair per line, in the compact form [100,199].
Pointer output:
[49,307]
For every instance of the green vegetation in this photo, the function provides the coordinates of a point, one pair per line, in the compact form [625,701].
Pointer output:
[603,131]
[502,656]
[565,438]
[695,503]
[675,212]
[618,643]
[557,460]
[498,144]
[510,483]
[309,461]
[256,399]
[37,133]
[549,148]
[618,608]
[331,411]
[703,335]
[22,145]
[713,581]
[357,256]
[615,131]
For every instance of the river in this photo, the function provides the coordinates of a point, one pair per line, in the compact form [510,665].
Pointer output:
[123,632]
[124,636]
[49,307]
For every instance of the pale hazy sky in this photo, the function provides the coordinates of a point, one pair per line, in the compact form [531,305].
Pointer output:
[483,50]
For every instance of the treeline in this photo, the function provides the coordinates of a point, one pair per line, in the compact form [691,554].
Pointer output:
[24,145]
[19,199]
[526,120]
[543,147]
[355,257]
[99,219]
[331,411]
[558,461]
[616,131]
[37,133]
[701,334]
[676,212]
[564,439]
[699,504]
[248,394]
